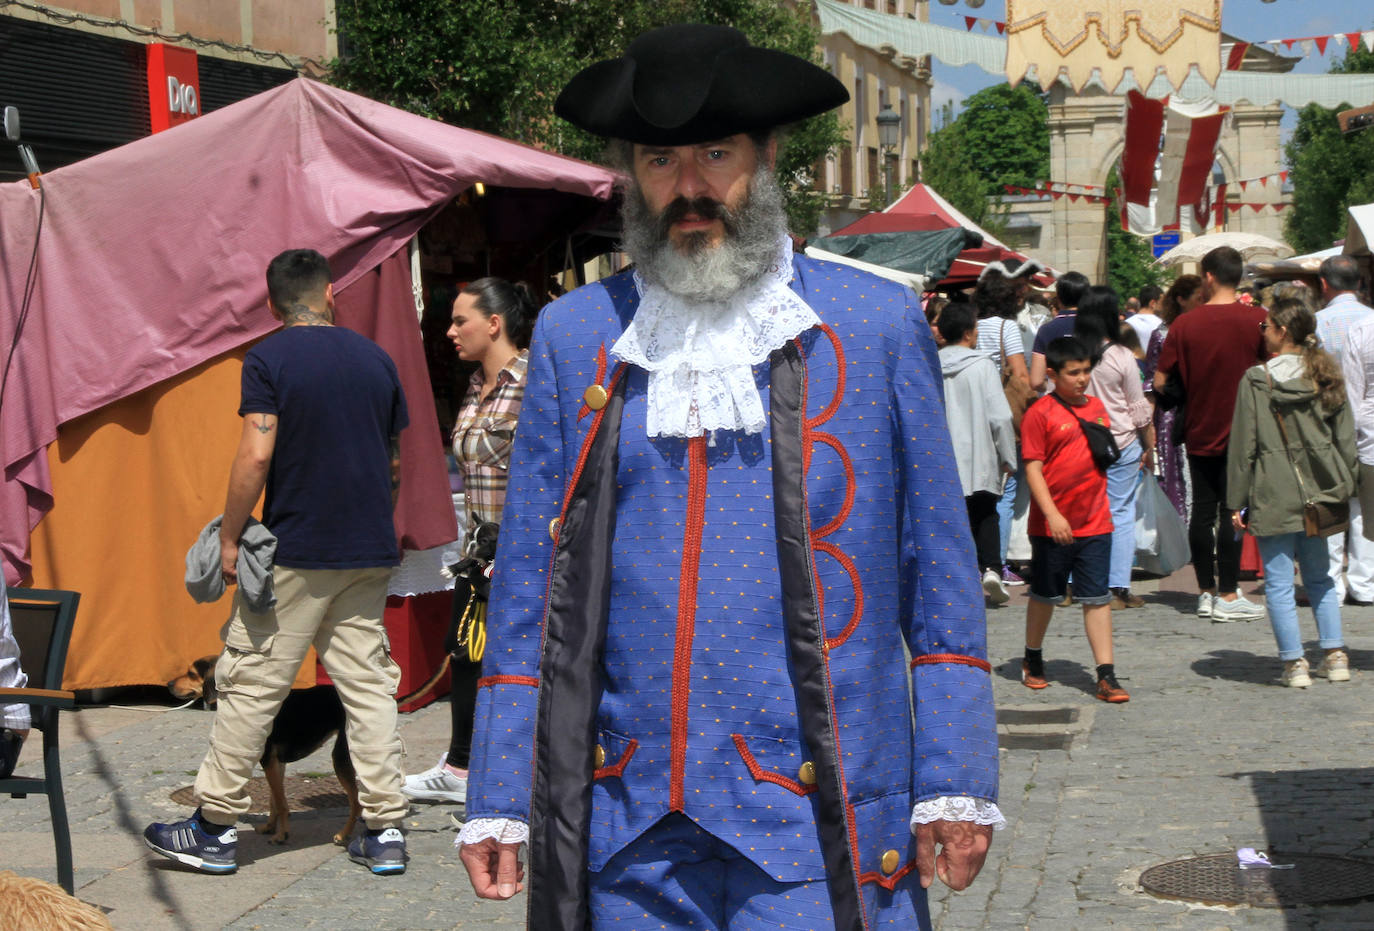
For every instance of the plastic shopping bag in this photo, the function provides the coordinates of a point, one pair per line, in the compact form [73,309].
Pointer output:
[1161,537]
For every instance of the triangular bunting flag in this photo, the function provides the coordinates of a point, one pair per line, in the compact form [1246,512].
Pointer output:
[1264,180]
[1243,183]
[1321,43]
[969,22]
[1258,207]
[1353,38]
[1001,28]
[1369,40]
[1234,207]
[1283,175]
[1073,198]
[1279,207]
[1056,194]
[1307,47]
[1288,43]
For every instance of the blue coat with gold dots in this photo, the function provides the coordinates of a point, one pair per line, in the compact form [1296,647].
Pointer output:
[779,635]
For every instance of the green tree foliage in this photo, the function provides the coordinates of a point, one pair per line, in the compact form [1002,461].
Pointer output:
[498,66]
[1329,172]
[1000,137]
[1130,262]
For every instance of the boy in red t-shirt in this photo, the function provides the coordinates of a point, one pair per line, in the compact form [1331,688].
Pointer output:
[1070,520]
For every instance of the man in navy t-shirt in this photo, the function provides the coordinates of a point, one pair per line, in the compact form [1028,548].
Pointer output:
[1070,289]
[322,412]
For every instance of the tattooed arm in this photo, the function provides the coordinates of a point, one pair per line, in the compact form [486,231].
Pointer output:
[247,477]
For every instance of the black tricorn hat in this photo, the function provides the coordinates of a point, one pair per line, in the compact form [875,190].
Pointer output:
[680,85]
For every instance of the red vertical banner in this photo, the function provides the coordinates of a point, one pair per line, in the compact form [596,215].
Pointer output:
[173,86]
[1144,127]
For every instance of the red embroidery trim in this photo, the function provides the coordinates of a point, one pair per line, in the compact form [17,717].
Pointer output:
[931,659]
[489,681]
[763,775]
[888,882]
[617,769]
[686,618]
[850,482]
[834,404]
[853,570]
[584,410]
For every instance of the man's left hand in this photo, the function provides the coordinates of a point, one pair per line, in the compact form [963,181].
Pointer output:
[963,848]
[229,561]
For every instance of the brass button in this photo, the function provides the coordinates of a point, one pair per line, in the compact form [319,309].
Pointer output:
[595,397]
[600,756]
[554,526]
[891,860]
[807,774]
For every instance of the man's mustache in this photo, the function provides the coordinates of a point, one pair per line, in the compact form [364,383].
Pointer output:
[704,208]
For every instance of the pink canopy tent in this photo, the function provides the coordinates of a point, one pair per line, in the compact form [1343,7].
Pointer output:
[151,259]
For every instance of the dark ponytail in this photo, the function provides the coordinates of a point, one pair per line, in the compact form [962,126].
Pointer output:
[513,302]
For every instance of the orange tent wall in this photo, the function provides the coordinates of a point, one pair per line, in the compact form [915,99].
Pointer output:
[134,483]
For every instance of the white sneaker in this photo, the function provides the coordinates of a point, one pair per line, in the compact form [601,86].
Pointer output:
[436,785]
[1224,612]
[1335,667]
[992,587]
[1204,604]
[1295,674]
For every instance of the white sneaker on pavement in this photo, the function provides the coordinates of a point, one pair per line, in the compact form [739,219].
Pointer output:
[1295,674]
[436,785]
[1224,612]
[1204,604]
[992,587]
[1334,667]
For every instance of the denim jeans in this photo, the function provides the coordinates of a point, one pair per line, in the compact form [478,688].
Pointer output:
[1277,553]
[1007,503]
[1123,485]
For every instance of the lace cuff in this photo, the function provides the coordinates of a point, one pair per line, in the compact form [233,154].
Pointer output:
[501,830]
[957,808]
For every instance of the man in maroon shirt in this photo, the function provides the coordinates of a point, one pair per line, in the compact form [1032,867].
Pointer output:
[1210,348]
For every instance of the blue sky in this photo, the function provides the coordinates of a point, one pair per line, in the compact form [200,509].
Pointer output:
[1253,20]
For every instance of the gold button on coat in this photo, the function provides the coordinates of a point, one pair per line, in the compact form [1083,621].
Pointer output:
[807,774]
[600,756]
[553,528]
[891,860]
[595,397]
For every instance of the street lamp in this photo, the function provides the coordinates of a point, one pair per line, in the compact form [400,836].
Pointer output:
[889,132]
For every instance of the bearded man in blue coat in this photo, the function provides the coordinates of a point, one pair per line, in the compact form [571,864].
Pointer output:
[736,673]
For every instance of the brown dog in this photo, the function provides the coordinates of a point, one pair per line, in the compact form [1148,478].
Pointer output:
[308,717]
[38,906]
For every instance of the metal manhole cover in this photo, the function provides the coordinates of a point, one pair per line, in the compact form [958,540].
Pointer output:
[1219,880]
[303,793]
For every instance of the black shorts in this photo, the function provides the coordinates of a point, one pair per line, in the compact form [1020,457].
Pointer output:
[1087,558]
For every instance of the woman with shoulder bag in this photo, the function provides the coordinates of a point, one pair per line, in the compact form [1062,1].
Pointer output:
[1292,462]
[492,322]
[1116,383]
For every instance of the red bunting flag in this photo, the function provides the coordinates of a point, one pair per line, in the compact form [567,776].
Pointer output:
[1002,28]
[1353,38]
[1279,207]
[1056,194]
[1234,207]
[969,22]
[1264,180]
[1321,43]
[1258,207]
[1244,182]
[1283,175]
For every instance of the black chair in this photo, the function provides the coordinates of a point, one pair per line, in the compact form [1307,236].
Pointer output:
[43,621]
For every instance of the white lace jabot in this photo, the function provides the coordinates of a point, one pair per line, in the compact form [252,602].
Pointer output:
[700,357]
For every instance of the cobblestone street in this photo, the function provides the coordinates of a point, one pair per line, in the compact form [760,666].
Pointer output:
[1210,755]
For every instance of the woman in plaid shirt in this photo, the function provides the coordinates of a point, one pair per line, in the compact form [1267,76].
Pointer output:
[492,322]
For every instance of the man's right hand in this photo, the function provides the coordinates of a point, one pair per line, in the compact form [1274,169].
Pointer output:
[494,868]
[229,561]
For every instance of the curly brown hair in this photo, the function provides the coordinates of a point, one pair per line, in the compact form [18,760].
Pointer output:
[1300,328]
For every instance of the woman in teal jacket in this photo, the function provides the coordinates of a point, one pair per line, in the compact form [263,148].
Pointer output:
[1293,442]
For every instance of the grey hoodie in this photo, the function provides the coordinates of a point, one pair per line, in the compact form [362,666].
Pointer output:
[257,550]
[979,419]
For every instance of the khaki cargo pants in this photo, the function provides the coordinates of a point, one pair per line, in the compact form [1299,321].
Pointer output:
[339,612]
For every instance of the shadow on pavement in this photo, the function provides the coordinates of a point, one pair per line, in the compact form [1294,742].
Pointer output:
[1060,672]
[1264,669]
[1318,811]
[125,819]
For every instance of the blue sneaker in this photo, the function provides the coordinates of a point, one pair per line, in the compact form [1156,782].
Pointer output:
[383,852]
[188,842]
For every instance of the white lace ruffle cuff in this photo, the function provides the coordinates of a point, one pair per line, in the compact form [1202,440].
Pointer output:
[957,808]
[700,357]
[501,830]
